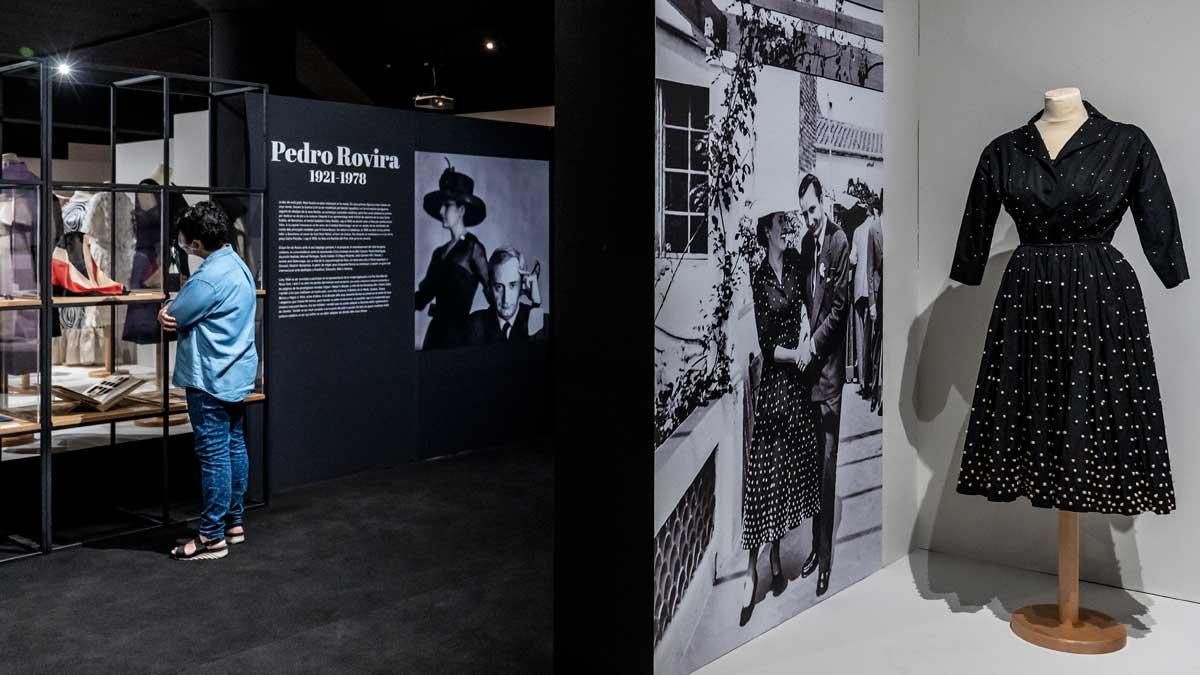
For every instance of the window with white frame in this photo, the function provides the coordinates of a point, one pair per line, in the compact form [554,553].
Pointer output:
[682,223]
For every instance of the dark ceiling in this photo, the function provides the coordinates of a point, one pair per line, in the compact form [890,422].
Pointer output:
[356,51]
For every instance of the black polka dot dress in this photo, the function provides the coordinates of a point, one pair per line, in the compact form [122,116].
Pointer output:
[782,472]
[1066,409]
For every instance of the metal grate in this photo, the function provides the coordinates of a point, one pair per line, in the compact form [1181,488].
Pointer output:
[681,543]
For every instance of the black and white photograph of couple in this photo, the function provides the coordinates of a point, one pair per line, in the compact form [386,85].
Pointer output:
[768,290]
[482,237]
[804,293]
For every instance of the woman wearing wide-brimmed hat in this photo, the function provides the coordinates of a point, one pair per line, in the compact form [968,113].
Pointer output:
[457,268]
[782,477]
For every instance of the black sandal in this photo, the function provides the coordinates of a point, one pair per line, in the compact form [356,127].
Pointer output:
[205,550]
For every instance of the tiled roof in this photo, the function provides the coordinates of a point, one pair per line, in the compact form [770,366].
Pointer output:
[849,139]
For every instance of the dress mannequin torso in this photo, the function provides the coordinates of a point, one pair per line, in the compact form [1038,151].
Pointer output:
[1062,116]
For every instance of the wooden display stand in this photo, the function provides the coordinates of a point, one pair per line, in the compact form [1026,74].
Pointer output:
[26,386]
[109,368]
[1066,627]
[169,420]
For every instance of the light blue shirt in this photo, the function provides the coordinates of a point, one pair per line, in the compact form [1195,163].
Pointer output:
[215,315]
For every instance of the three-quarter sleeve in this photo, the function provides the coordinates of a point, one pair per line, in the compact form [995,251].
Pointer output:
[762,320]
[1156,218]
[979,220]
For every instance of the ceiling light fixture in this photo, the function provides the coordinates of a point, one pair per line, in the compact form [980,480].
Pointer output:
[489,45]
[63,68]
[434,100]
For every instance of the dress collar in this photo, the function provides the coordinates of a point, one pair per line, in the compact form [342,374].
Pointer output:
[1093,130]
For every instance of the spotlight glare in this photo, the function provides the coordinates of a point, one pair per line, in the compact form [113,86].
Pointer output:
[490,45]
[64,69]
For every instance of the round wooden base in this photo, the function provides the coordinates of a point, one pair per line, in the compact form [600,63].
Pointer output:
[1094,633]
[105,372]
[172,421]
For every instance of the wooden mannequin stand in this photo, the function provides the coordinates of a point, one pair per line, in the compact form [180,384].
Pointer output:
[169,420]
[1066,627]
[108,369]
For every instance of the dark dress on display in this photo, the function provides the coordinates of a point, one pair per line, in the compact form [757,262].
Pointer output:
[782,478]
[141,319]
[1066,409]
[456,270]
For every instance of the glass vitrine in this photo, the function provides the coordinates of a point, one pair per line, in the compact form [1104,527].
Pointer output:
[97,166]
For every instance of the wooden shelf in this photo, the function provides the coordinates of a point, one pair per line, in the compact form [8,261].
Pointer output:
[258,293]
[18,427]
[119,413]
[19,303]
[135,407]
[127,299]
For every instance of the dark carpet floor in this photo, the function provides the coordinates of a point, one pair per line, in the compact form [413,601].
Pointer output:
[444,566]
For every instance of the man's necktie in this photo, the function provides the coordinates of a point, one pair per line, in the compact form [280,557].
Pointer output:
[816,264]
[505,328]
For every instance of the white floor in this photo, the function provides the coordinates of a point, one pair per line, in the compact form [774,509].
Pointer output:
[930,614]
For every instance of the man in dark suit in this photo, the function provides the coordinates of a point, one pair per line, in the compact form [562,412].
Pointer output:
[509,319]
[826,255]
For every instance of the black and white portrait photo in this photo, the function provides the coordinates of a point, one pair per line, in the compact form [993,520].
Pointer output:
[482,245]
[768,302]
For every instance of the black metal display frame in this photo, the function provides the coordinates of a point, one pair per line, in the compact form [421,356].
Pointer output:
[214,89]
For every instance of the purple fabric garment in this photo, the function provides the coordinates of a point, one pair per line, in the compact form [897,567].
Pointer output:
[18,330]
[24,225]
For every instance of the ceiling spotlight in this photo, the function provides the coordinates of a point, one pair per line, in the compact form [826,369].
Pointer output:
[63,68]
[489,45]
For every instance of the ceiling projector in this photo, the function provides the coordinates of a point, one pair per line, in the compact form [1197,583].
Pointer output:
[433,102]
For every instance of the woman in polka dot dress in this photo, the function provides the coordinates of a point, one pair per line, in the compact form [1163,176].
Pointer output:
[782,480]
[1066,409]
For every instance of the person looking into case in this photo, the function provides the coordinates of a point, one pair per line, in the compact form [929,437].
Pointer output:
[216,363]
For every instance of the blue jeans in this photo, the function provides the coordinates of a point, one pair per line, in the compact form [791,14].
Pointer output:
[220,440]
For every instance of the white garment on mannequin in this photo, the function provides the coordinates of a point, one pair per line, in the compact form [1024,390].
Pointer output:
[1062,115]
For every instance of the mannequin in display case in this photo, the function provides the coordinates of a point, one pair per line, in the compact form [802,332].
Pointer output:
[1066,410]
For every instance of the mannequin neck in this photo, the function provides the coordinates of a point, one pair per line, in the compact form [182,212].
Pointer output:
[1063,105]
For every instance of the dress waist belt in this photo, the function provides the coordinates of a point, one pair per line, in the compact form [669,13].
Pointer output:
[1082,242]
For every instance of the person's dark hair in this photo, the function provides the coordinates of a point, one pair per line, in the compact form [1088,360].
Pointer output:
[810,179]
[764,227]
[207,222]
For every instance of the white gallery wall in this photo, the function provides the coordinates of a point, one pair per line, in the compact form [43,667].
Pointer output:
[900,456]
[983,67]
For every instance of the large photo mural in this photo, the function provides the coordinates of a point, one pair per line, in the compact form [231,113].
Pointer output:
[768,304]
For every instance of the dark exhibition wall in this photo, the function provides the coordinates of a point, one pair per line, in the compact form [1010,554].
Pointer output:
[345,400]
[602,362]
[355,388]
[492,394]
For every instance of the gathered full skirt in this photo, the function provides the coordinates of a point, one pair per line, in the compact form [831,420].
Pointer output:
[1066,409]
[782,485]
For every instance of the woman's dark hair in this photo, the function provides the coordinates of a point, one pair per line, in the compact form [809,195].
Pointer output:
[764,227]
[206,222]
[810,179]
